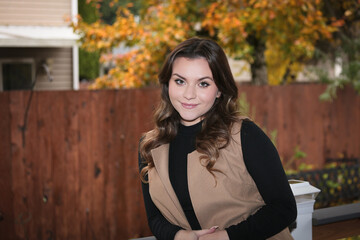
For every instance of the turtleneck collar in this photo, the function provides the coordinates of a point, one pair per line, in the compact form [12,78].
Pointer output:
[190,130]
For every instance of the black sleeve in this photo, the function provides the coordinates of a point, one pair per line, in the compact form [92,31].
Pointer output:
[159,226]
[263,163]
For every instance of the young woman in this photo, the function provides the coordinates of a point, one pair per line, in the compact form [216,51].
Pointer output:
[206,171]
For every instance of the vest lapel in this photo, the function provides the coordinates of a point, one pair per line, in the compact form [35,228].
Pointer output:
[161,161]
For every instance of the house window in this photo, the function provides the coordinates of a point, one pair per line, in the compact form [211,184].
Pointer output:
[16,74]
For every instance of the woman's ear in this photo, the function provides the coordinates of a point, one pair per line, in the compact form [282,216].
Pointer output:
[218,94]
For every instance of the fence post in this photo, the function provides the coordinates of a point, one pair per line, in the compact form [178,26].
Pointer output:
[305,195]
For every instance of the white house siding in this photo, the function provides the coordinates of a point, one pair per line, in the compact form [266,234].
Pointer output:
[35,12]
[58,59]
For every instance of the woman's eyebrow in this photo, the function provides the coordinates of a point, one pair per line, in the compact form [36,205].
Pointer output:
[179,75]
[207,77]
[200,79]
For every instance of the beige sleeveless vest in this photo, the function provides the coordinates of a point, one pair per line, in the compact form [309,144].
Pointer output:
[228,201]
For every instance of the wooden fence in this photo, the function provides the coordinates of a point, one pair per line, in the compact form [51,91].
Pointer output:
[68,165]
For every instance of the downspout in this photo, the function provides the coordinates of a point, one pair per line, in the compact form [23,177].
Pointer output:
[75,48]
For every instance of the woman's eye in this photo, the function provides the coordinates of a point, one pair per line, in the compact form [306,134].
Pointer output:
[204,84]
[179,81]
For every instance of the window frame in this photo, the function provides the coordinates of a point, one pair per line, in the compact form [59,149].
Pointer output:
[30,61]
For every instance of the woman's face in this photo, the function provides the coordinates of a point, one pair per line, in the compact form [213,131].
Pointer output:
[192,90]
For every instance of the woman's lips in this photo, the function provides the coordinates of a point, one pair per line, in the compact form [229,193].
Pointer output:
[188,106]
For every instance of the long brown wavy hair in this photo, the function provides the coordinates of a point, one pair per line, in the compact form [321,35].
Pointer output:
[216,127]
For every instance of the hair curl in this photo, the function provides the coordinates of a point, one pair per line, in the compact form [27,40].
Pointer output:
[217,122]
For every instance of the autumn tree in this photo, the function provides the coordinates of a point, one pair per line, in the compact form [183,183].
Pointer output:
[246,29]
[344,51]
[150,36]
[288,29]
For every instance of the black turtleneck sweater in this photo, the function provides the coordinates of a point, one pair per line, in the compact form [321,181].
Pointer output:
[263,164]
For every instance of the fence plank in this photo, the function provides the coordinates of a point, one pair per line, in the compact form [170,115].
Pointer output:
[22,162]
[45,169]
[86,170]
[7,218]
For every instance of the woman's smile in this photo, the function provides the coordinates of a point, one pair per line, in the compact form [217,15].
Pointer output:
[188,105]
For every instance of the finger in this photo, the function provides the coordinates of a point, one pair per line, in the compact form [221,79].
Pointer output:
[214,227]
[205,231]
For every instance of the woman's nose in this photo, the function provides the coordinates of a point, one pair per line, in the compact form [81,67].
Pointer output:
[190,92]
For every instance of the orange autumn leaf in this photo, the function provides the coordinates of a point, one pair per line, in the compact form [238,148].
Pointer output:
[338,23]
